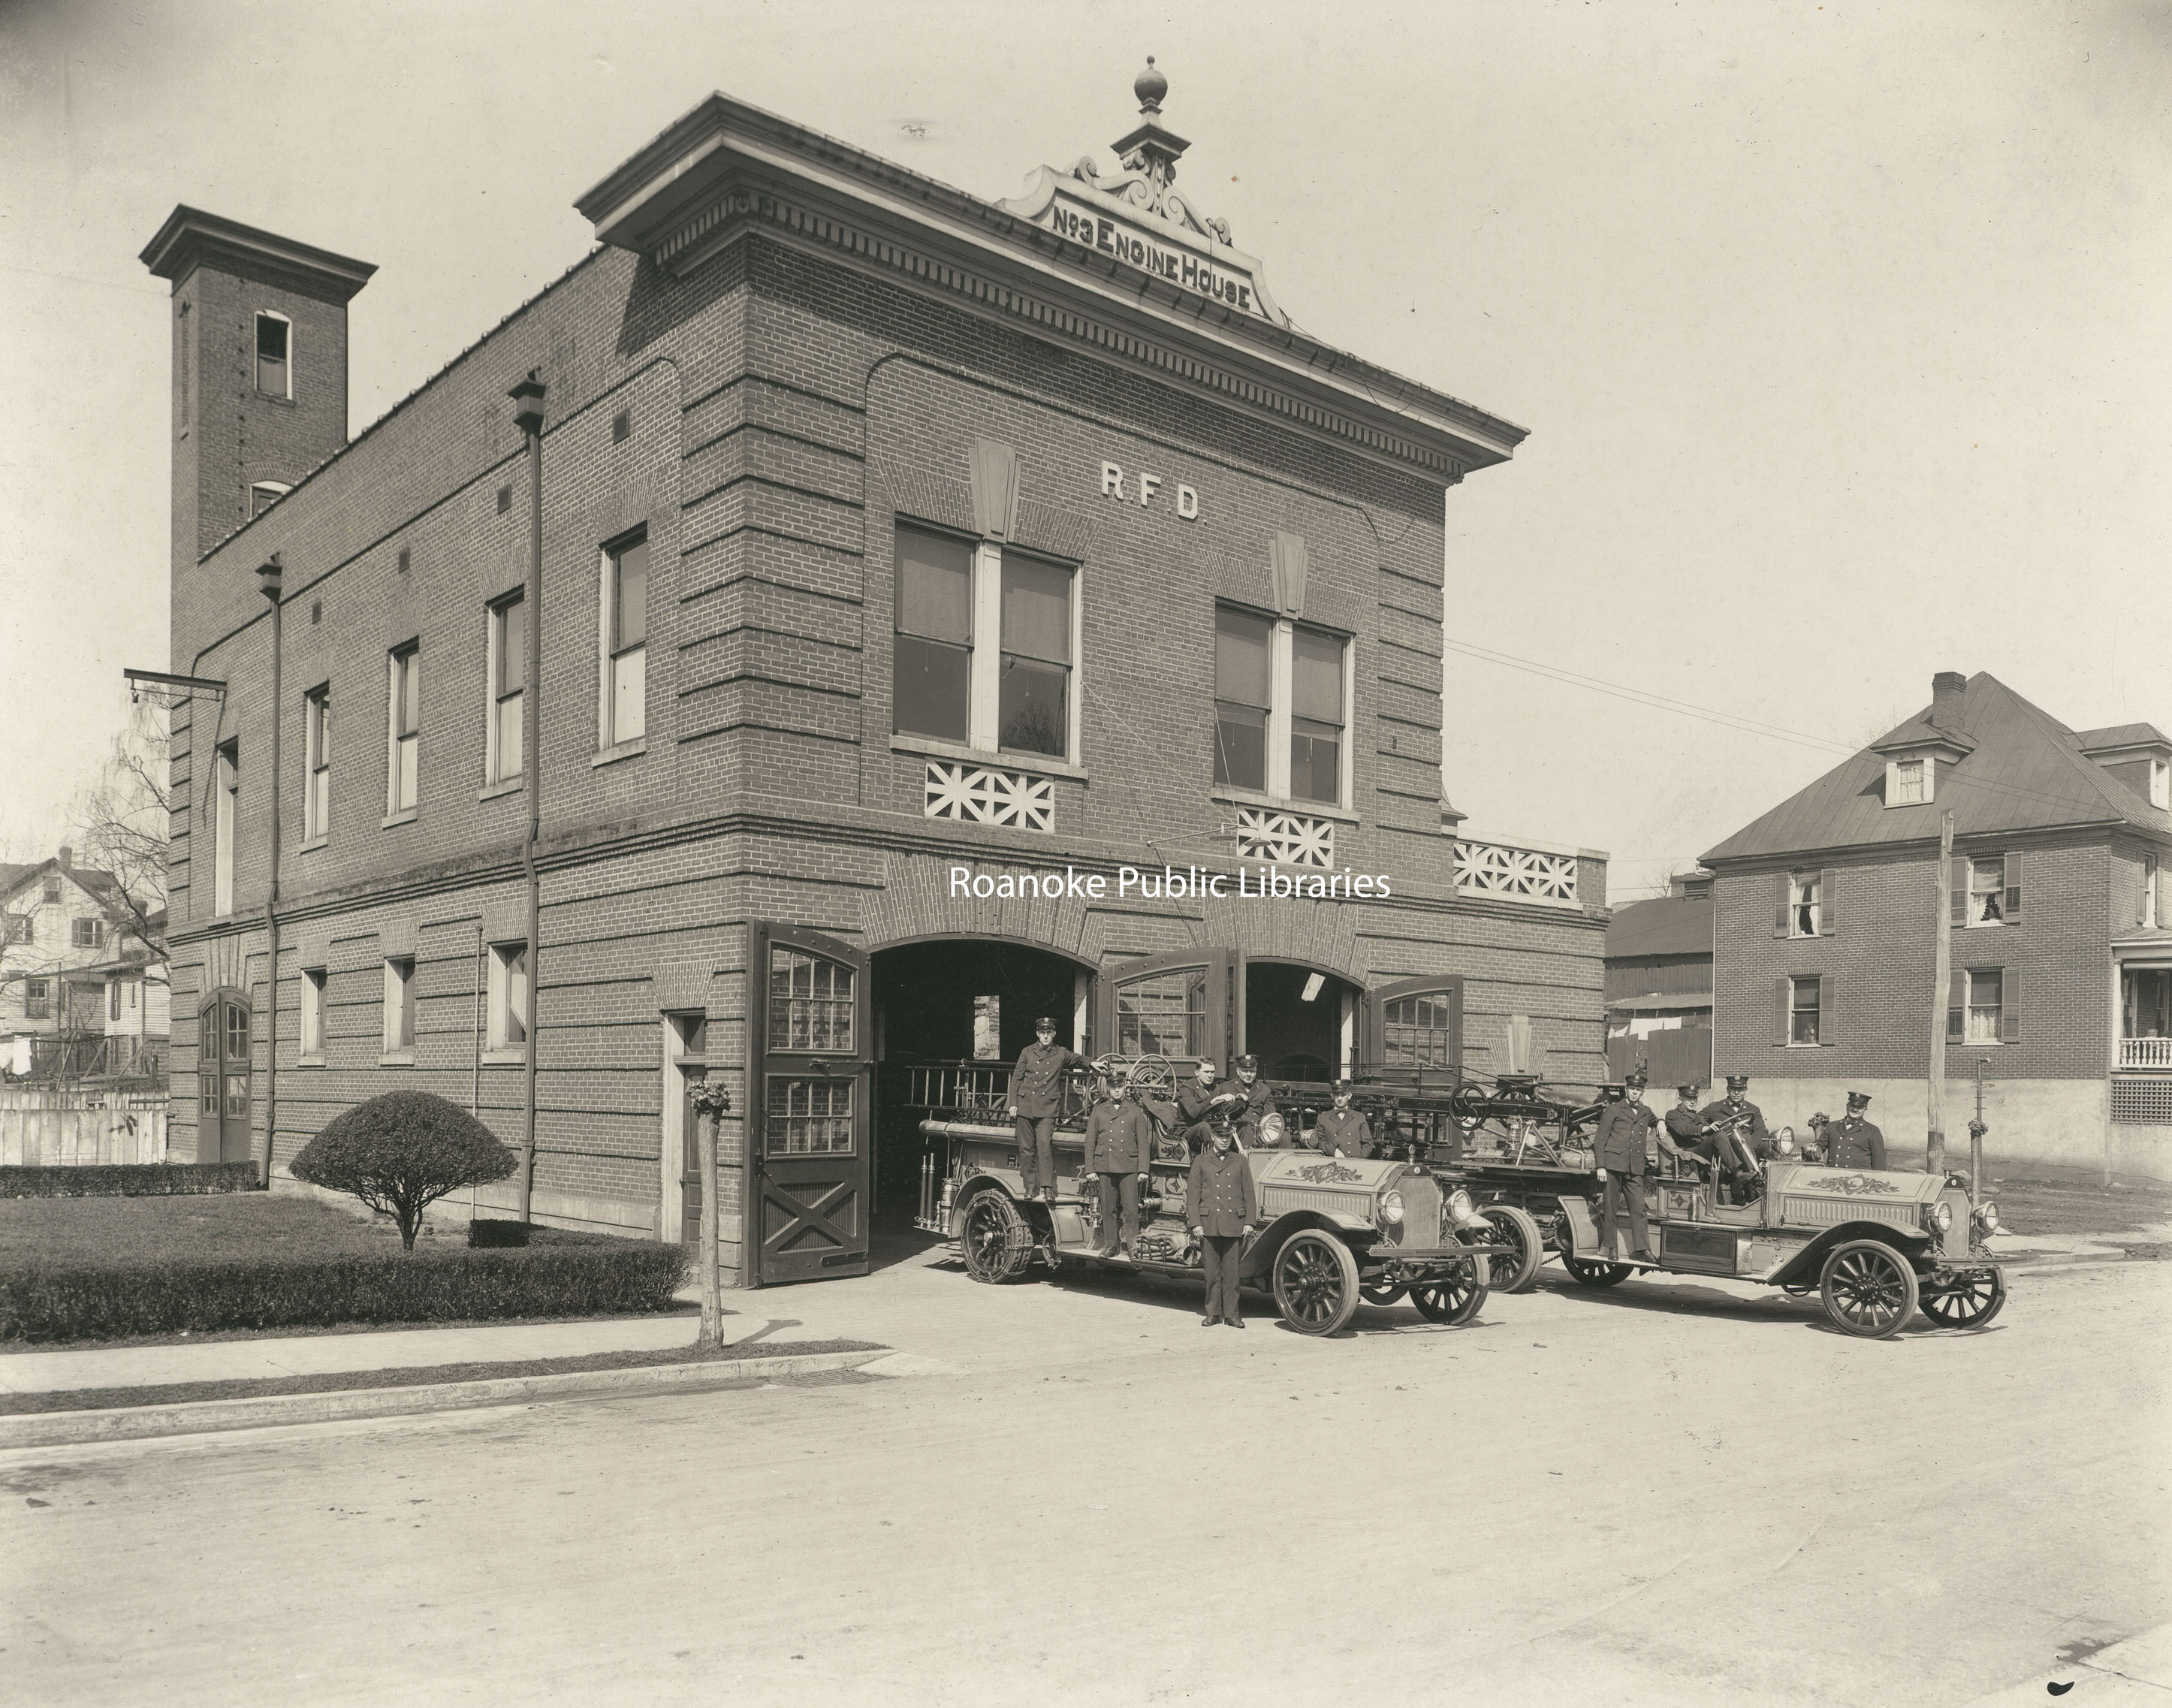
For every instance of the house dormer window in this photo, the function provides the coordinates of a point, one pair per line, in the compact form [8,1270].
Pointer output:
[1908,781]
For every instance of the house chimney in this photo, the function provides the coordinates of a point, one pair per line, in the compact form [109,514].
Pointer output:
[68,858]
[1949,688]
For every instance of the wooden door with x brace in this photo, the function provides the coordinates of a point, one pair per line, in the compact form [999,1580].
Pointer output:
[809,1080]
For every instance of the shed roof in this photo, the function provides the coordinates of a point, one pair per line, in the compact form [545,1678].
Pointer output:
[1671,925]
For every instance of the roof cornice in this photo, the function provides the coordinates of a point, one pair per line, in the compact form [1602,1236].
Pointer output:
[727,168]
[190,238]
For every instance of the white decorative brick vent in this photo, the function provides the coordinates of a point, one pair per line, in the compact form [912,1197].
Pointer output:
[1291,838]
[1515,874]
[982,795]
[2142,1102]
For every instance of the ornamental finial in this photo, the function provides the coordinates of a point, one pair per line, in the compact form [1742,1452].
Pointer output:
[1150,86]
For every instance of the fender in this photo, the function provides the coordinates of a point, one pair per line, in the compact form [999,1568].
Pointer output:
[1261,1248]
[1805,1264]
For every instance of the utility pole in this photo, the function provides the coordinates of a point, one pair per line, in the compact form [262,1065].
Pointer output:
[528,415]
[1942,980]
[271,579]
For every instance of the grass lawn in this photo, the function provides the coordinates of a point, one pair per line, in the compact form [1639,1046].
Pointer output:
[417,1375]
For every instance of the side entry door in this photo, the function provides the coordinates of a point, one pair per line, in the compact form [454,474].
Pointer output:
[223,1079]
[811,1082]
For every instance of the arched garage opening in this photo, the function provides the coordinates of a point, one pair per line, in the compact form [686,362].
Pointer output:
[956,1001]
[1301,1021]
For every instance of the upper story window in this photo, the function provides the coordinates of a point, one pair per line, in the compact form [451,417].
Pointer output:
[508,684]
[113,1000]
[86,933]
[403,727]
[626,640]
[1985,1004]
[1986,892]
[1804,1010]
[932,688]
[226,790]
[312,1011]
[275,367]
[1804,904]
[509,998]
[1908,782]
[52,889]
[399,1003]
[1033,713]
[317,745]
[37,999]
[1281,707]
[19,928]
[2150,892]
[264,494]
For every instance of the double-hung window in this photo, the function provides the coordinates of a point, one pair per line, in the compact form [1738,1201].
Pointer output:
[984,645]
[1803,1011]
[1986,892]
[113,1000]
[931,694]
[86,933]
[1985,1004]
[399,1005]
[275,338]
[313,1012]
[508,684]
[226,791]
[403,721]
[37,999]
[1803,903]
[317,744]
[1033,712]
[509,998]
[1911,782]
[1281,707]
[625,641]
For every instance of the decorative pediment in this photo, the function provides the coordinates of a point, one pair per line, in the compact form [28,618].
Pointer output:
[1139,217]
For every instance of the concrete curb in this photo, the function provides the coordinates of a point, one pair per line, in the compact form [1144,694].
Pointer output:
[205,1416]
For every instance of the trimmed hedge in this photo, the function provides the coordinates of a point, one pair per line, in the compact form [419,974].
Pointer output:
[567,1277]
[127,1179]
[497,1231]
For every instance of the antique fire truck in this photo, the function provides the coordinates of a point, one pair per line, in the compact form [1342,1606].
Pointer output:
[1332,1231]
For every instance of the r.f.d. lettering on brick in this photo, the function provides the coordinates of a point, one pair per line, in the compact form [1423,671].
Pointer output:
[1148,487]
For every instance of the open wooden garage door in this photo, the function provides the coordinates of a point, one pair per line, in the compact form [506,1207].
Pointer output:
[1183,1005]
[810,1072]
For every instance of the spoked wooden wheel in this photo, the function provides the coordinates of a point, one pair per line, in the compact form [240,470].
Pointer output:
[1518,1247]
[1454,1301]
[997,1243]
[1595,1275]
[1869,1289]
[1315,1282]
[1969,1302]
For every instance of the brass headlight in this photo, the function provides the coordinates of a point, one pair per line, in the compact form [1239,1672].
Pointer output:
[1459,1204]
[1987,1214]
[1941,1215]
[1391,1207]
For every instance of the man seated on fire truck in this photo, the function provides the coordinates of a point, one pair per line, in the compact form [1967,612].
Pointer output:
[1199,1101]
[1685,1136]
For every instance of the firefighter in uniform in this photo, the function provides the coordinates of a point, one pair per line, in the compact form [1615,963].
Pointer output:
[1342,1130]
[1749,1119]
[1686,1136]
[1037,1093]
[1619,1154]
[1198,1100]
[1221,1202]
[1119,1146]
[1854,1142]
[1254,1102]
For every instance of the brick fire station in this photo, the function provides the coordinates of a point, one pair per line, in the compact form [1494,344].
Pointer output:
[905,563]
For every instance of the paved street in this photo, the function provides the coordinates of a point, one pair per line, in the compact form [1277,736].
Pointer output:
[1676,1493]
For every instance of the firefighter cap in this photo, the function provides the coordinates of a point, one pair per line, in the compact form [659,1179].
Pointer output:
[1246,1062]
[1344,1085]
[1044,1025]
[1636,1077]
[1688,1088]
[1738,1081]
[1858,1100]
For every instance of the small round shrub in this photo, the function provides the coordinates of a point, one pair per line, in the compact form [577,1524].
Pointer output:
[401,1152]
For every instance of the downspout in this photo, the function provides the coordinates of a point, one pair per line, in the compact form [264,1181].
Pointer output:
[270,580]
[528,415]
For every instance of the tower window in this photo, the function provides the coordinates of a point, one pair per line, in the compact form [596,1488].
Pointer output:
[275,371]
[263,495]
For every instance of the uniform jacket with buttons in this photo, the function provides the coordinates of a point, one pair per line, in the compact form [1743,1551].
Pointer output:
[1037,1080]
[1685,1126]
[1344,1129]
[1256,1104]
[1854,1143]
[1118,1139]
[1220,1198]
[1619,1145]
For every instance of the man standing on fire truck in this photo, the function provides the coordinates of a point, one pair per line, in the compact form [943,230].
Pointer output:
[1618,1153]
[1036,1093]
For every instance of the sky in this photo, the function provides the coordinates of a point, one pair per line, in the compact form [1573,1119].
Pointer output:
[1842,332]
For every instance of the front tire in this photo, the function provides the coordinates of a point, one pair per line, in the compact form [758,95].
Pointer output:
[1454,1301]
[1869,1289]
[994,1237]
[1518,1247]
[1970,1302]
[1315,1282]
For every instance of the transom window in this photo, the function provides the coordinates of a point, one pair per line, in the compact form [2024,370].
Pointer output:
[1987,893]
[809,1117]
[403,731]
[1420,1032]
[1803,1015]
[810,1001]
[1163,1014]
[626,640]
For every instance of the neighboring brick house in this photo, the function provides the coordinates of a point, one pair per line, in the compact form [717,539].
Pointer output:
[2062,962]
[886,532]
[1659,987]
[79,966]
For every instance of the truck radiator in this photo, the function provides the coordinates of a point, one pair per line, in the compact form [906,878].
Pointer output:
[1830,1212]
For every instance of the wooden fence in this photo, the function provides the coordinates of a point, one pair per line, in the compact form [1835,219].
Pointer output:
[49,1126]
